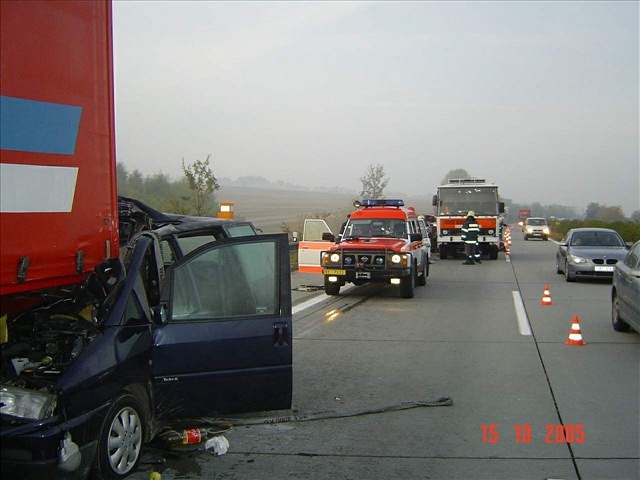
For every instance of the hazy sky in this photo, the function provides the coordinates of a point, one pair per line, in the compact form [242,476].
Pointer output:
[540,97]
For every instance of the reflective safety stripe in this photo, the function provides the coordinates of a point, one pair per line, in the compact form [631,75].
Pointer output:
[36,188]
[470,242]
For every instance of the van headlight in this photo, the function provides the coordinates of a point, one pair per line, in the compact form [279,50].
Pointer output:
[19,402]
[529,229]
[396,258]
[545,230]
[335,257]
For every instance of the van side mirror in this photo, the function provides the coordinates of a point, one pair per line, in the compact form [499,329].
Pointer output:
[328,237]
[160,314]
[415,237]
[434,201]
[501,207]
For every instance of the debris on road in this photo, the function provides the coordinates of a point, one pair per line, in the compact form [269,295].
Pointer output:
[218,445]
[308,288]
[330,415]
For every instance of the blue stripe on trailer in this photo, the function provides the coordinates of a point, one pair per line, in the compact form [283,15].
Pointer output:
[39,127]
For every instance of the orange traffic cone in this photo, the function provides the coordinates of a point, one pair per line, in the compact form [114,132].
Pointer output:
[546,301]
[575,334]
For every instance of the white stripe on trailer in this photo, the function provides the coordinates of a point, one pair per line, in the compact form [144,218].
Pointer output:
[36,188]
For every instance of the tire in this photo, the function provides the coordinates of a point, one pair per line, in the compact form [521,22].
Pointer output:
[618,324]
[526,238]
[408,285]
[558,269]
[567,275]
[125,409]
[443,252]
[331,288]
[493,253]
[421,281]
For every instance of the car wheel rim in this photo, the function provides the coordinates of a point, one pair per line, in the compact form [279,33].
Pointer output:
[124,440]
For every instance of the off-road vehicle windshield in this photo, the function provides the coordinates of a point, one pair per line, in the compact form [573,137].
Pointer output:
[376,227]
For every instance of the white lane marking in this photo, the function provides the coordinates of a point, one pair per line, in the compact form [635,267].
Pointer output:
[521,314]
[36,188]
[316,300]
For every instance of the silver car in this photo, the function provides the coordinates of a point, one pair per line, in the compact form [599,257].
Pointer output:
[625,293]
[590,253]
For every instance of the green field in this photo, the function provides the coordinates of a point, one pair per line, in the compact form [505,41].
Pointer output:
[629,231]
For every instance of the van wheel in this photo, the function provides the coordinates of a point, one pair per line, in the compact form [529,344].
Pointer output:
[408,285]
[443,252]
[493,252]
[120,439]
[619,325]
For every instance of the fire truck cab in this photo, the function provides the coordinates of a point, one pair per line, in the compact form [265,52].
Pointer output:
[454,200]
[383,241]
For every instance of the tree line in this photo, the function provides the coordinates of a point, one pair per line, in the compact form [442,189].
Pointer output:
[191,194]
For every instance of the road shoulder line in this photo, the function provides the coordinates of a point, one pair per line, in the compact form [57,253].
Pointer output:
[521,315]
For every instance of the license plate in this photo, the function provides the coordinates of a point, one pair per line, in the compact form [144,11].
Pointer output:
[334,271]
[604,269]
[363,275]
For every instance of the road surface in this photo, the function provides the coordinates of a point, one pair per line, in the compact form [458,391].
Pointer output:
[461,336]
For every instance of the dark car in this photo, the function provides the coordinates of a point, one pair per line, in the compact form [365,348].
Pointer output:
[625,292]
[193,320]
[590,253]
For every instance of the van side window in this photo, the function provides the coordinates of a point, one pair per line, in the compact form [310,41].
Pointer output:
[238,280]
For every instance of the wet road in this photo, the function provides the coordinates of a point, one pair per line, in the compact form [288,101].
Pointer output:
[461,337]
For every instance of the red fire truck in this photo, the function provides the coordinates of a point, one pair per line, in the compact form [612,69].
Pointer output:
[454,200]
[383,241]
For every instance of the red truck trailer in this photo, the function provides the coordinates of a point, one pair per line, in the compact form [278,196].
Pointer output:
[58,205]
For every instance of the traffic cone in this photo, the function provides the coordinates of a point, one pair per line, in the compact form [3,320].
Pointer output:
[546,301]
[575,334]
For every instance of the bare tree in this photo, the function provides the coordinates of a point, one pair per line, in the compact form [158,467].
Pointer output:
[374,182]
[202,182]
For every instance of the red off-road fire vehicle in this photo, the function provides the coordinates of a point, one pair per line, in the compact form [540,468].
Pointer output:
[383,241]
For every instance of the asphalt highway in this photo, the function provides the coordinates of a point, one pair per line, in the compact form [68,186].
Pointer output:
[477,334]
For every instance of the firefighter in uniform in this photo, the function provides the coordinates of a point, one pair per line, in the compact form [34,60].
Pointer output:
[470,231]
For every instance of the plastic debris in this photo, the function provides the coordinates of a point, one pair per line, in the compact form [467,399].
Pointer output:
[218,445]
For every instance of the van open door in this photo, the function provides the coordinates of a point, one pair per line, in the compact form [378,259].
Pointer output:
[312,244]
[225,342]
